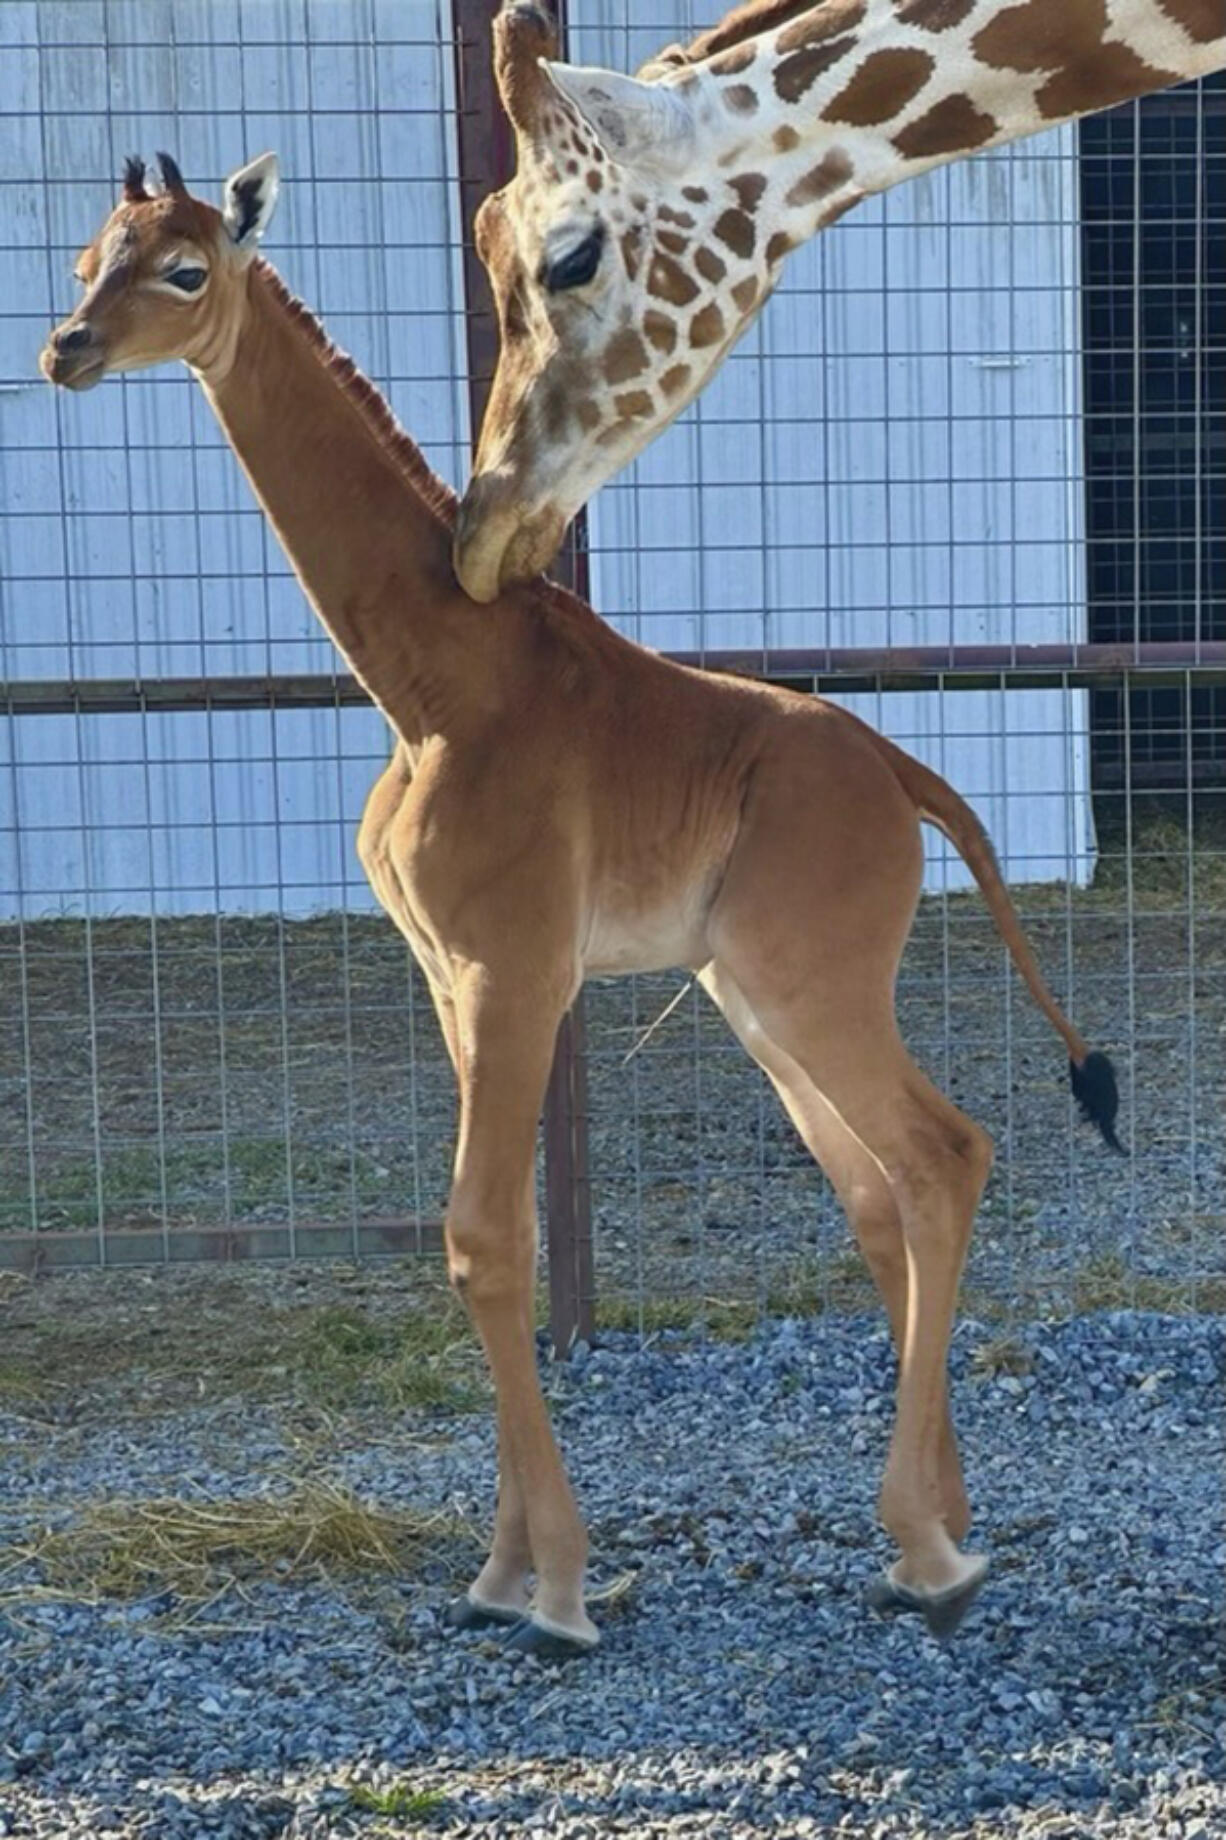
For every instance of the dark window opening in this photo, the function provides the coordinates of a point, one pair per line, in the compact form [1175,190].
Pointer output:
[1153,205]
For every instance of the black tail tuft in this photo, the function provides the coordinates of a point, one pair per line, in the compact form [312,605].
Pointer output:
[1098,1096]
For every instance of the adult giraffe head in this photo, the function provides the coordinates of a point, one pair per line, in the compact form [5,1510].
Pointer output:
[649,215]
[164,277]
[620,284]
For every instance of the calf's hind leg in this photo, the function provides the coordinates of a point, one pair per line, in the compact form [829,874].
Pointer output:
[934,1162]
[866,1199]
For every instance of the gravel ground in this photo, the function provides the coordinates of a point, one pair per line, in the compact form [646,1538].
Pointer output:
[741,1690]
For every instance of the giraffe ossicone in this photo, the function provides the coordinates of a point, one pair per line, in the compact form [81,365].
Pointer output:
[649,216]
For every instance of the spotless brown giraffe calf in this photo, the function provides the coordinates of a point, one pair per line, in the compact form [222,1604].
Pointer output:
[649,217]
[561,802]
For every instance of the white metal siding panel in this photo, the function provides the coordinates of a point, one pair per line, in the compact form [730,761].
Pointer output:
[130,544]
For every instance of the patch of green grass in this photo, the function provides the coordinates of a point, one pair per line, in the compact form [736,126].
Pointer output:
[194,1174]
[1105,1282]
[425,1359]
[18,1386]
[409,1350]
[399,1800]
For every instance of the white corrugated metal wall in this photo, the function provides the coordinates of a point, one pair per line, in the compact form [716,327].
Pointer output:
[892,457]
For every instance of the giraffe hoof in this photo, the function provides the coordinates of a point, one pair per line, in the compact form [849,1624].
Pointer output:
[530,1637]
[465,1613]
[941,1610]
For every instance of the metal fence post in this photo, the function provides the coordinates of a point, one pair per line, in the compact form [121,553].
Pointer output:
[486,162]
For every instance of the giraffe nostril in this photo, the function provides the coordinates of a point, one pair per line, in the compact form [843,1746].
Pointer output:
[73,338]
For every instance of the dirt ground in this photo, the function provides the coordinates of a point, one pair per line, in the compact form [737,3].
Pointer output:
[162,1076]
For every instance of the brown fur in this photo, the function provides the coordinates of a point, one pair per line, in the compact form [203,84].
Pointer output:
[882,87]
[707,327]
[736,230]
[560,802]
[826,177]
[952,126]
[935,15]
[1200,19]
[796,74]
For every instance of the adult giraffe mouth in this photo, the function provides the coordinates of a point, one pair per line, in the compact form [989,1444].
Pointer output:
[498,543]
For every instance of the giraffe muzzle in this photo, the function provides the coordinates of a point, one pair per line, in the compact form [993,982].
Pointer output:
[498,544]
[73,357]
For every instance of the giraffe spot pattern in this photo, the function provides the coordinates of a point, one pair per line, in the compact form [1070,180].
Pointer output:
[740,99]
[694,193]
[785,138]
[707,326]
[749,188]
[822,23]
[594,181]
[796,74]
[821,180]
[673,241]
[935,15]
[625,356]
[1114,76]
[735,229]
[952,126]
[1086,73]
[556,415]
[710,266]
[1202,20]
[780,245]
[588,413]
[745,293]
[882,87]
[660,330]
[682,218]
[729,63]
[755,16]
[675,379]
[633,402]
[632,254]
[667,280]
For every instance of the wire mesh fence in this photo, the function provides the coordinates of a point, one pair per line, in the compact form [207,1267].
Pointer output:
[984,414]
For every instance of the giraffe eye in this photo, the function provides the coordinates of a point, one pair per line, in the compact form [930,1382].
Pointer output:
[577,266]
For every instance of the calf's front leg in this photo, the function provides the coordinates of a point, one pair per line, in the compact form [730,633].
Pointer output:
[506,1047]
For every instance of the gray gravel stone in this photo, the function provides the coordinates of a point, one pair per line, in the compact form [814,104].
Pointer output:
[742,1689]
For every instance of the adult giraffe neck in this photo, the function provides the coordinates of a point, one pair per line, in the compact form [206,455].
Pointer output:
[899,86]
[365,524]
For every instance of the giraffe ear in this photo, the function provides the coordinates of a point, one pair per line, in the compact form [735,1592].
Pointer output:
[639,124]
[250,199]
